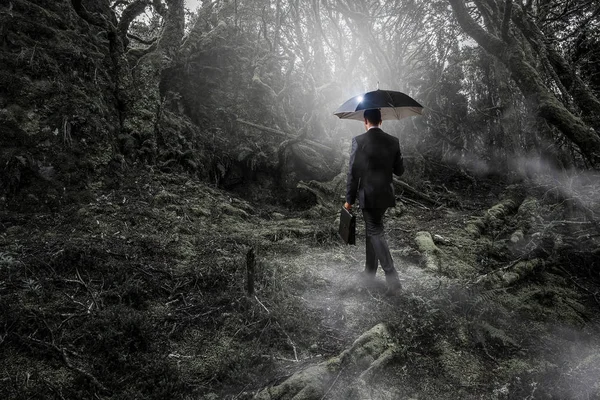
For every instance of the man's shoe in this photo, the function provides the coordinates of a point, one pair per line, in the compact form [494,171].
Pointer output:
[393,291]
[394,287]
[367,278]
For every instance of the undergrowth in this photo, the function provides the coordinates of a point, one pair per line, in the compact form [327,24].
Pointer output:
[142,294]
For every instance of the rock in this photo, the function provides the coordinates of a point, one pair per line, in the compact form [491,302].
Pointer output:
[509,278]
[277,216]
[517,236]
[228,209]
[430,253]
[529,214]
[424,242]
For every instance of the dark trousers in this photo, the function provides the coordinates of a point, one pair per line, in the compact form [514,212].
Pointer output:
[377,247]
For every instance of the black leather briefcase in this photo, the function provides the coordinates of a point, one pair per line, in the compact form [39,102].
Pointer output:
[347,226]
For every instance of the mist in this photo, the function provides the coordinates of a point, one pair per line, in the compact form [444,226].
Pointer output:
[172,178]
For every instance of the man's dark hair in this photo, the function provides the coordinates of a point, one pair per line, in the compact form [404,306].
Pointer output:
[373,116]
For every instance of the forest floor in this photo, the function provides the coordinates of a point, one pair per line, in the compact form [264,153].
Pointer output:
[141,292]
[455,338]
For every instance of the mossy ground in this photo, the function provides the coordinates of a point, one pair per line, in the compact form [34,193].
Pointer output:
[141,293]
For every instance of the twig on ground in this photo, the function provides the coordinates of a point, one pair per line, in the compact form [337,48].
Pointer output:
[62,352]
[376,299]
[436,288]
[332,384]
[289,340]
[353,258]
[401,230]
[53,389]
[578,285]
[487,353]
[263,306]
[509,266]
[75,301]
[241,392]
[68,318]
[278,358]
[416,203]
[86,286]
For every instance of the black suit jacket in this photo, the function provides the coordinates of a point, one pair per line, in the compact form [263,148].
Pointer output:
[375,155]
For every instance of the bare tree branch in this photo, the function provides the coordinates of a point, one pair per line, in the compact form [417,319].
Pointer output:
[130,13]
[532,86]
[159,7]
[143,41]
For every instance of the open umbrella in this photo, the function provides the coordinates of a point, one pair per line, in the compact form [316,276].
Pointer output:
[393,105]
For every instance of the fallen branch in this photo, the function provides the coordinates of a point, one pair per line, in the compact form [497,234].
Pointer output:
[405,186]
[414,202]
[503,277]
[62,352]
[281,133]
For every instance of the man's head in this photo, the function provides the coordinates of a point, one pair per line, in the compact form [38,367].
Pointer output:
[372,117]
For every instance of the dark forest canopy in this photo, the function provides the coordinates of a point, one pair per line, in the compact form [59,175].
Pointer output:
[501,81]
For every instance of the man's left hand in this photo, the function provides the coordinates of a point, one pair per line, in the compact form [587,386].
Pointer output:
[348,206]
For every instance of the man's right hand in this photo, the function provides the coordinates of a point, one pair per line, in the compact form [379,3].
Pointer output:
[348,206]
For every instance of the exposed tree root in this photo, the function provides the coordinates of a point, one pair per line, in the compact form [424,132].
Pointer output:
[511,273]
[430,253]
[406,187]
[369,352]
[495,216]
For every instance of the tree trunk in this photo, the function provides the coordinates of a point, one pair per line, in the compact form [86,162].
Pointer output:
[532,86]
[583,96]
[143,111]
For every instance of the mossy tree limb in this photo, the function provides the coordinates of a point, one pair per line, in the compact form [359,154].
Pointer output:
[532,85]
[368,352]
[495,216]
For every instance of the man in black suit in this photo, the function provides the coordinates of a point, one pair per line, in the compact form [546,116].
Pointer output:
[375,155]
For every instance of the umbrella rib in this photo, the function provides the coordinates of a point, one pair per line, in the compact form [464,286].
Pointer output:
[391,103]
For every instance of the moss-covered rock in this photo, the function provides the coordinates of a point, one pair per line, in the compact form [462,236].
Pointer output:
[429,251]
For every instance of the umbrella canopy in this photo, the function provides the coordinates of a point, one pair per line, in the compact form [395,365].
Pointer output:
[393,105]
